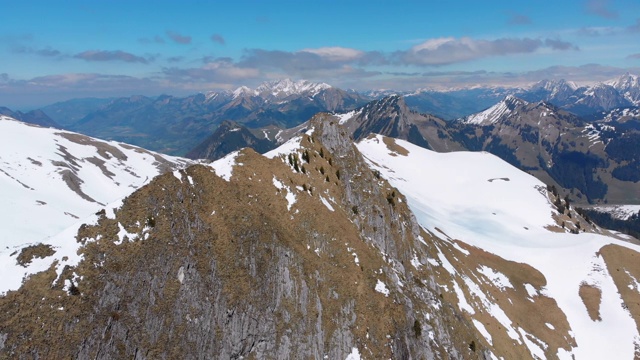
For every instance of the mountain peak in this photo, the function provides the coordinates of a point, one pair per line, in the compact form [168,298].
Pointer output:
[512,99]
[555,86]
[628,85]
[627,79]
[242,90]
[286,87]
[497,112]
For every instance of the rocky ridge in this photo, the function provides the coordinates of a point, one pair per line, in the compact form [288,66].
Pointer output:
[307,254]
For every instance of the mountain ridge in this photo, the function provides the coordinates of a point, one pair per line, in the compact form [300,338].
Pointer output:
[323,247]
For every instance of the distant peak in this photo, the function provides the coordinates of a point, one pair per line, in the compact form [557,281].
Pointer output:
[497,112]
[242,90]
[389,100]
[624,82]
[286,87]
[555,85]
[514,101]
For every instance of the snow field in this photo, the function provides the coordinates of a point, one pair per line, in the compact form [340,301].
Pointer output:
[451,191]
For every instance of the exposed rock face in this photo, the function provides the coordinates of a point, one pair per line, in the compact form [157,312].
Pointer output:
[308,260]
[392,117]
[229,137]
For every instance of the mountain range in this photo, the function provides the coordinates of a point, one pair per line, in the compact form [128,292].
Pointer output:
[175,125]
[596,162]
[323,247]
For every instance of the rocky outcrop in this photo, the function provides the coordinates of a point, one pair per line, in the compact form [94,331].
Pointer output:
[195,266]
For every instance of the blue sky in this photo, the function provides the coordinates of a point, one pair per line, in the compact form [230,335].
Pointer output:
[57,50]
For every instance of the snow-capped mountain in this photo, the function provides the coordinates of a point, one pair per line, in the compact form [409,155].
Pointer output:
[281,89]
[175,125]
[600,97]
[284,88]
[596,159]
[557,92]
[52,178]
[627,85]
[497,112]
[586,100]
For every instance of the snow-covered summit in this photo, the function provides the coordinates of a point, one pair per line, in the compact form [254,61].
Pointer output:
[625,81]
[556,89]
[628,85]
[243,90]
[552,85]
[287,87]
[497,112]
[281,89]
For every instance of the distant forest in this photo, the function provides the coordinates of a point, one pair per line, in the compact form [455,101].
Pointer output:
[630,226]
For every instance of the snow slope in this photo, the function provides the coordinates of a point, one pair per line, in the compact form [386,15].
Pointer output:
[485,202]
[496,112]
[52,179]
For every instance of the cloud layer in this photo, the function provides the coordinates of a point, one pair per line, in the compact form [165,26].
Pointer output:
[601,8]
[444,51]
[178,38]
[116,55]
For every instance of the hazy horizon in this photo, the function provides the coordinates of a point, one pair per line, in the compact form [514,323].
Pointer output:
[110,49]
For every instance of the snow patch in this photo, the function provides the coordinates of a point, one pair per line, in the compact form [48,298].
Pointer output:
[224,166]
[382,288]
[355,354]
[483,331]
[343,118]
[326,203]
[497,278]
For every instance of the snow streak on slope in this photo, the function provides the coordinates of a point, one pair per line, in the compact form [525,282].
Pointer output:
[496,112]
[485,202]
[52,180]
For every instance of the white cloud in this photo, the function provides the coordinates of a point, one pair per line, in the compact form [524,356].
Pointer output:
[336,53]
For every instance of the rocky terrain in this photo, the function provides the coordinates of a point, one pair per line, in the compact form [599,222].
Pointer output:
[304,253]
[324,248]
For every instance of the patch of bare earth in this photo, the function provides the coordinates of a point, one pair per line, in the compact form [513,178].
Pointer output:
[394,147]
[27,254]
[104,149]
[592,298]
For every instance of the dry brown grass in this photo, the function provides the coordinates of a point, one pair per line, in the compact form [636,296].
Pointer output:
[530,314]
[592,298]
[394,147]
[27,254]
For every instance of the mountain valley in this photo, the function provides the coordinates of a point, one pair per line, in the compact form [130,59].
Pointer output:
[310,222]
